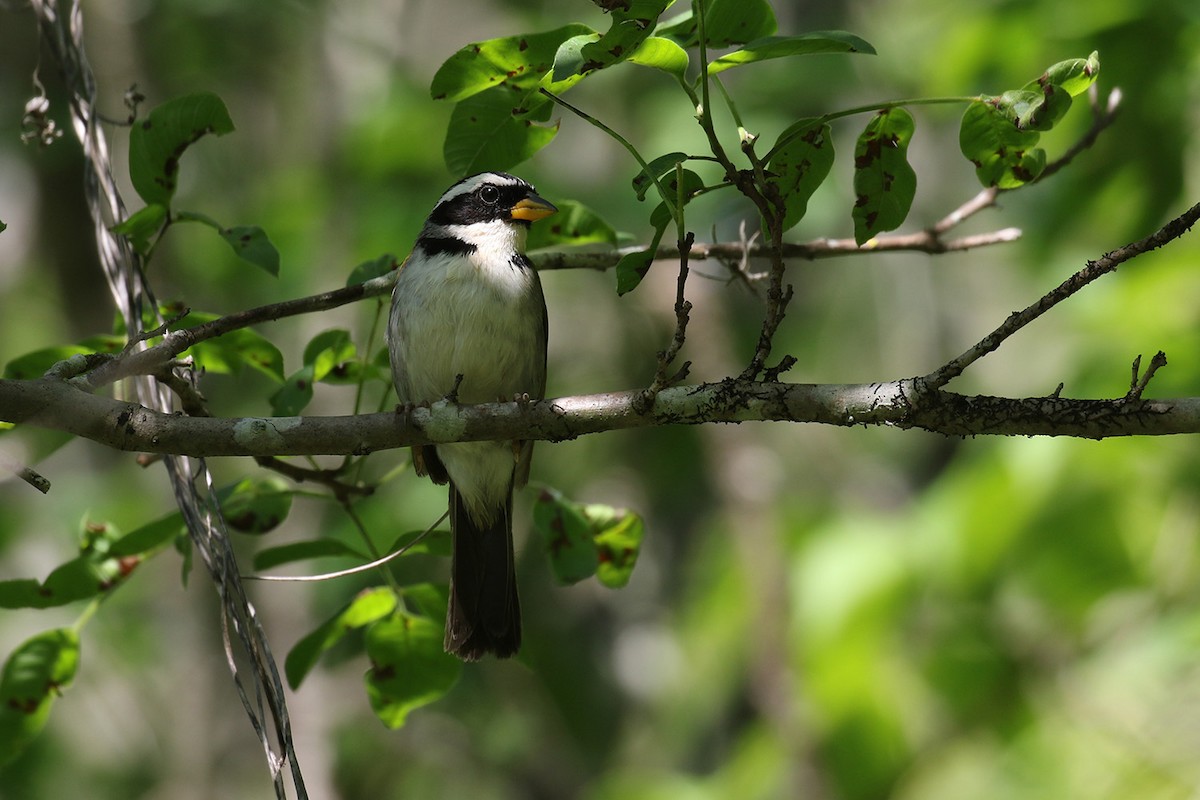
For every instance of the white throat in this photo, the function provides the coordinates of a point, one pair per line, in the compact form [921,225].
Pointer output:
[495,241]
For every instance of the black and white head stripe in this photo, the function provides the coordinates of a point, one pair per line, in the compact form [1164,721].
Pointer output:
[485,197]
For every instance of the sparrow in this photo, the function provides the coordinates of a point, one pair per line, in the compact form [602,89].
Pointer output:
[468,321]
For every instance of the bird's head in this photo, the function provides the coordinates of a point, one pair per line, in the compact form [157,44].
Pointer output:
[489,200]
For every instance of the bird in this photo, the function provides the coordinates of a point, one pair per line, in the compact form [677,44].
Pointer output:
[468,322]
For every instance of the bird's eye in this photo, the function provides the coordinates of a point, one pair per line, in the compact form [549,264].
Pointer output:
[489,194]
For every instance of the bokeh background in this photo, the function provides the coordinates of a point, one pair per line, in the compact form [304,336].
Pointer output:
[818,613]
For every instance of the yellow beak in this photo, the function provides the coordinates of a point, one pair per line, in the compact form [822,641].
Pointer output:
[531,208]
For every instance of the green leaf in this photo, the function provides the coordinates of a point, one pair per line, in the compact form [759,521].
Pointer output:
[633,267]
[629,28]
[491,131]
[884,183]
[1075,76]
[142,226]
[34,675]
[1034,110]
[729,22]
[566,537]
[430,599]
[568,59]
[574,224]
[662,54]
[329,353]
[294,395]
[257,505]
[302,551]
[148,537]
[249,242]
[409,668]
[105,559]
[80,578]
[999,134]
[229,353]
[368,270]
[670,192]
[1003,155]
[656,169]
[367,607]
[158,142]
[664,213]
[784,46]
[254,350]
[519,61]
[618,534]
[584,540]
[34,365]
[800,165]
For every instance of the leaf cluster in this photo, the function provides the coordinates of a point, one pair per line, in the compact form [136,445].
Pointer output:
[505,88]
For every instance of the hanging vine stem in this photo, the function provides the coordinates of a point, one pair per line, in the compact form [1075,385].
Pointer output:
[127,283]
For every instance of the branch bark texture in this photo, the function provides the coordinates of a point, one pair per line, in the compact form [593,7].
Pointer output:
[55,404]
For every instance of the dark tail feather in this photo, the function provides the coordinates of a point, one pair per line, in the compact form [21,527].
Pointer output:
[484,614]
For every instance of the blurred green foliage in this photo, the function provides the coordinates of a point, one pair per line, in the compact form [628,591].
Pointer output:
[815,613]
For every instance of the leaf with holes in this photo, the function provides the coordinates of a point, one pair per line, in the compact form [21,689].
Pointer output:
[370,605]
[256,505]
[157,143]
[1075,75]
[1003,154]
[655,169]
[295,393]
[566,537]
[330,353]
[574,224]
[618,534]
[630,27]
[249,242]
[519,61]
[409,668]
[34,676]
[726,22]
[486,132]
[884,182]
[799,164]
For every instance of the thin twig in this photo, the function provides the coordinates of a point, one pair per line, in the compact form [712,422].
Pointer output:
[683,309]
[1137,385]
[27,474]
[1092,271]
[329,478]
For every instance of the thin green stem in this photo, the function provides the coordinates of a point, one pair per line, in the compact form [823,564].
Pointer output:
[703,111]
[733,110]
[849,112]
[623,142]
[365,358]
[89,611]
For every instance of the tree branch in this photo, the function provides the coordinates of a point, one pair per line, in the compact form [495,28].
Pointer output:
[1093,270]
[54,404]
